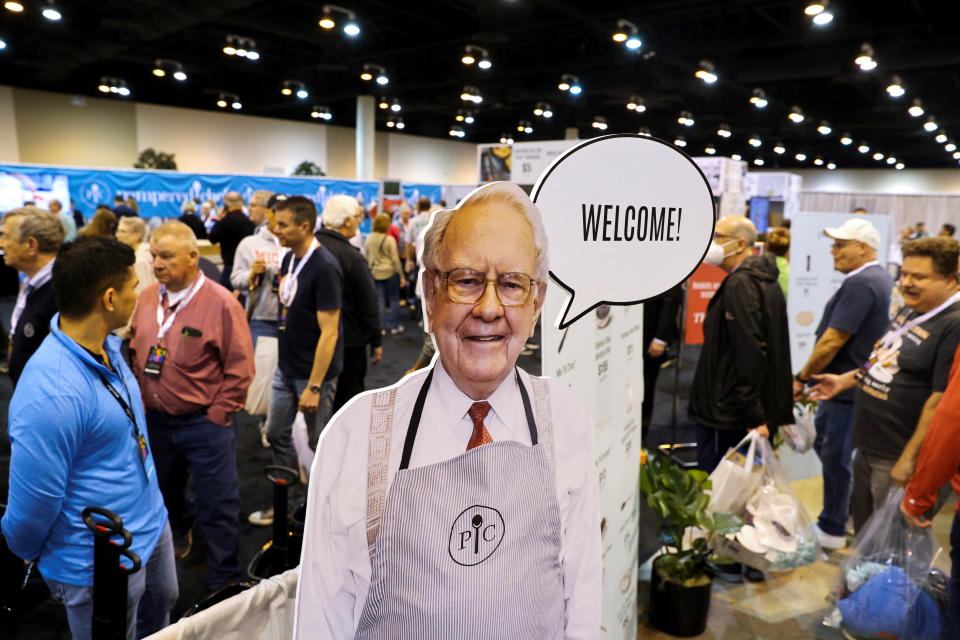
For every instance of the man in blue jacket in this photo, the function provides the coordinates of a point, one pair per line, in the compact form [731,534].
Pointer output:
[78,434]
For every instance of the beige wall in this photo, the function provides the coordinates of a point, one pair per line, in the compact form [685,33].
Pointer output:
[907,181]
[51,128]
[55,128]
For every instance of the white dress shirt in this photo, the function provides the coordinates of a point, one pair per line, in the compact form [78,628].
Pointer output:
[335,568]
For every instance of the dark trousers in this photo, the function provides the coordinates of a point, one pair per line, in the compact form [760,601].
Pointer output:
[713,444]
[834,447]
[651,371]
[351,381]
[185,445]
[952,630]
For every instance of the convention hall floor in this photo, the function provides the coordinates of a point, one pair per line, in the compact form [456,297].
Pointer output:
[786,607]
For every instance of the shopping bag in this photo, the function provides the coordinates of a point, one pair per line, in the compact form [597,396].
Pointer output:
[736,477]
[265,364]
[777,534]
[301,443]
[888,586]
[801,435]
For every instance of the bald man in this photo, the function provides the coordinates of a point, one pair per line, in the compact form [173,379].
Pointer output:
[232,227]
[193,357]
[743,379]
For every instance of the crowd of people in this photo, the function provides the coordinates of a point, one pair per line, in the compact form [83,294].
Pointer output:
[130,358]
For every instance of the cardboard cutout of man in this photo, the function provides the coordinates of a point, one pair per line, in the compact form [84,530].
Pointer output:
[462,501]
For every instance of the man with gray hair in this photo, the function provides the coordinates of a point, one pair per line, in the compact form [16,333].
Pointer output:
[360,313]
[133,233]
[491,528]
[743,375]
[66,219]
[232,227]
[30,242]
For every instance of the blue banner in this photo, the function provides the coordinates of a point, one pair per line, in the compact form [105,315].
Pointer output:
[160,193]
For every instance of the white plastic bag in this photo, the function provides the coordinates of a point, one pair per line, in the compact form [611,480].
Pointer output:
[265,364]
[301,442]
[735,478]
[801,435]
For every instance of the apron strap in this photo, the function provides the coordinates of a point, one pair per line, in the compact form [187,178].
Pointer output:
[544,415]
[381,431]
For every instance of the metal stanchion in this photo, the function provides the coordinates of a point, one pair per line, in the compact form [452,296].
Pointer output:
[671,449]
[275,557]
[109,575]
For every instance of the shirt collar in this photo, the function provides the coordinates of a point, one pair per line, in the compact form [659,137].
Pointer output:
[454,403]
[41,276]
[859,269]
[111,346]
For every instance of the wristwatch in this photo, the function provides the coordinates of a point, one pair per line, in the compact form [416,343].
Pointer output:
[315,388]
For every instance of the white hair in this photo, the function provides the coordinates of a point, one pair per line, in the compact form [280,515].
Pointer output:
[497,192]
[337,209]
[188,206]
[135,225]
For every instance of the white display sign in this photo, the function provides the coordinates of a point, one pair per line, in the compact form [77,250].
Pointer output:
[531,159]
[630,217]
[812,276]
[724,175]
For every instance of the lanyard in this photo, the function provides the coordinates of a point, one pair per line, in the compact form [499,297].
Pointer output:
[137,436]
[892,335]
[288,287]
[163,327]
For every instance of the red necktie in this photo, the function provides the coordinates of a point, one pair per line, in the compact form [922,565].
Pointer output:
[477,412]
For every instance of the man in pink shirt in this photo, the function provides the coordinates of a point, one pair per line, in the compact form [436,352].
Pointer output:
[193,357]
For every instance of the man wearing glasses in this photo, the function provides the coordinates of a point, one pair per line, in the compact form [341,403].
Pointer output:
[854,318]
[461,502]
[899,386]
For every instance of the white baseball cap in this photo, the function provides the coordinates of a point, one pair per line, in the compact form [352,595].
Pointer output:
[856,229]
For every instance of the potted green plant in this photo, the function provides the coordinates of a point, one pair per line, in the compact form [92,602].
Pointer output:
[680,584]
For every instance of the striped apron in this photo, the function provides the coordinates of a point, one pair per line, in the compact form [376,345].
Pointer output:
[468,547]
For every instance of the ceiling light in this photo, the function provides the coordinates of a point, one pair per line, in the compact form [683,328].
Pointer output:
[754,141]
[710,150]
[846,140]
[796,115]
[815,8]
[395,105]
[382,79]
[383,104]
[916,109]
[236,105]
[400,124]
[253,55]
[570,83]
[543,110]
[643,131]
[113,85]
[506,139]
[956,155]
[779,149]
[159,72]
[707,72]
[895,88]
[680,141]
[736,156]
[321,112]
[15,7]
[230,99]
[391,123]
[891,160]
[831,166]
[636,104]
[878,156]
[950,146]
[758,162]
[724,131]
[824,128]
[241,46]
[686,119]
[628,34]
[366,76]
[800,157]
[104,88]
[759,98]
[818,161]
[351,29]
[899,166]
[863,148]
[820,12]
[941,137]
[865,60]
[474,54]
[930,124]
[327,22]
[823,18]
[524,126]
[179,75]
[286,91]
[469,118]
[485,63]
[50,12]
[471,94]
[302,93]
[221,103]
[229,50]
[457,132]
[599,122]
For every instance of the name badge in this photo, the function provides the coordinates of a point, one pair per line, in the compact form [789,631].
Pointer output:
[282,325]
[155,360]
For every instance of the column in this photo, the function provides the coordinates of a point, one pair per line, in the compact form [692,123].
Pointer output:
[366,130]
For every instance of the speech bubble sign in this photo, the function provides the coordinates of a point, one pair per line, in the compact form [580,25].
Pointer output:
[628,217]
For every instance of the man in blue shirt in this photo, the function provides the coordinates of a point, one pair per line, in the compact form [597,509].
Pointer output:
[78,434]
[853,320]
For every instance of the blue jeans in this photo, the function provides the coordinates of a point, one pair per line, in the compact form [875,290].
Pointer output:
[284,400]
[834,447]
[388,292]
[193,445]
[713,444]
[952,628]
[151,594]
[262,328]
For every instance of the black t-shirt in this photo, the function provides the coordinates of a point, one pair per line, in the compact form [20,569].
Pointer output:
[319,288]
[228,232]
[898,381]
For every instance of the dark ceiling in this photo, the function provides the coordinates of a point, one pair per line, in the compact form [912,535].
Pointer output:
[767,44]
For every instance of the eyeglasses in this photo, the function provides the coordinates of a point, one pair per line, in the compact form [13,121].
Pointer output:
[467,286]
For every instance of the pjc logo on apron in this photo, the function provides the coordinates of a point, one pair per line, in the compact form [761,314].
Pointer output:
[475,535]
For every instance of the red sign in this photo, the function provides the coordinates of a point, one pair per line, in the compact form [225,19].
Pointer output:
[701,287]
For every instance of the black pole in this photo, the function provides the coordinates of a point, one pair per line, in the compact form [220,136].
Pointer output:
[109,575]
